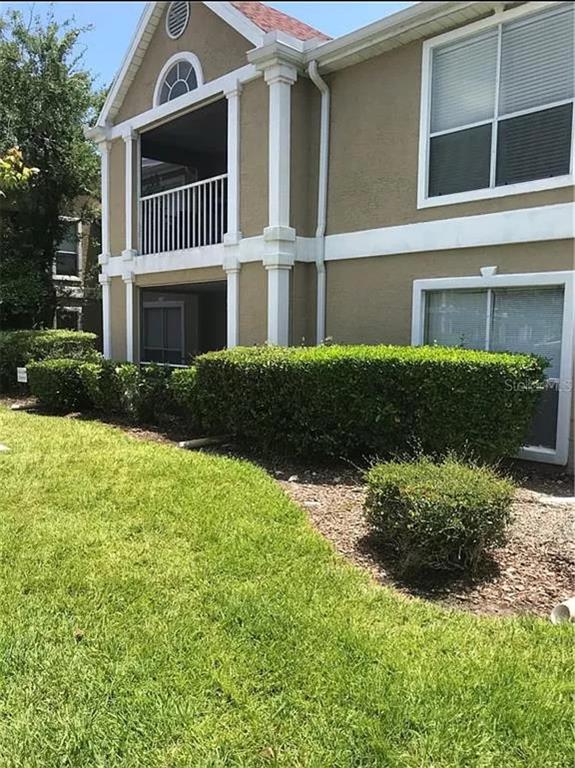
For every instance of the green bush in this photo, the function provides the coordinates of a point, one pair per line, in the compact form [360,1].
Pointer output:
[58,385]
[438,515]
[184,391]
[18,348]
[102,385]
[370,400]
[144,391]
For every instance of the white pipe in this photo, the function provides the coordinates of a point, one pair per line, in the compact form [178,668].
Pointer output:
[323,88]
[563,612]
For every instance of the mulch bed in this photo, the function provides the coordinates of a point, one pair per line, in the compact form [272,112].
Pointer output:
[529,575]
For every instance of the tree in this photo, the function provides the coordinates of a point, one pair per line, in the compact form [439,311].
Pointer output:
[46,100]
[14,175]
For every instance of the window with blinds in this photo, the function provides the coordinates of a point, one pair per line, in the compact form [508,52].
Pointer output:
[528,320]
[501,104]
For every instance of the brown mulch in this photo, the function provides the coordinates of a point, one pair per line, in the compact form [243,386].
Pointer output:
[529,575]
[534,571]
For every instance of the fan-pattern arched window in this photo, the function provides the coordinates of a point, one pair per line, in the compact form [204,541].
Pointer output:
[179,80]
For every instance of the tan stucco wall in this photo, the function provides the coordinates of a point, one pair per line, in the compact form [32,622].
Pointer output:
[117,197]
[118,318]
[219,48]
[253,304]
[305,119]
[254,122]
[369,300]
[374,149]
[303,304]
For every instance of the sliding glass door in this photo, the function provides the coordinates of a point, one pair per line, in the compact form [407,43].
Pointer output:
[524,319]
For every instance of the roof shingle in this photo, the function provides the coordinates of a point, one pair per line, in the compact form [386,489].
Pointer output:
[269,20]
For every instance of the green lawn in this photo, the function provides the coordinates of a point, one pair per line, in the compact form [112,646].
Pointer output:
[163,608]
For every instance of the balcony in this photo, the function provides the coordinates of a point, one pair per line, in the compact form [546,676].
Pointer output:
[184,182]
[191,216]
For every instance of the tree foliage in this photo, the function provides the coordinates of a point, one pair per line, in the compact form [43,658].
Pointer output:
[46,100]
[14,174]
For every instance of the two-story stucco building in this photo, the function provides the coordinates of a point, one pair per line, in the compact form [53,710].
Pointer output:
[410,182]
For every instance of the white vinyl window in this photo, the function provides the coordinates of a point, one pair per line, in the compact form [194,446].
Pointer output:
[509,313]
[66,263]
[181,74]
[497,107]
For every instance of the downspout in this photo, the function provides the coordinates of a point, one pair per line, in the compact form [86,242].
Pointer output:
[323,88]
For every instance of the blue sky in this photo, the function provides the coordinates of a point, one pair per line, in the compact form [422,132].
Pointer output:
[114,23]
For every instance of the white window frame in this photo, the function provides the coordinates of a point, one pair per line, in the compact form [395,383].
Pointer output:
[161,305]
[190,58]
[71,278]
[527,280]
[75,310]
[423,198]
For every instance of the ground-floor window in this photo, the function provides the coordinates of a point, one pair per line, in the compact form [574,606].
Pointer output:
[513,313]
[68,318]
[163,333]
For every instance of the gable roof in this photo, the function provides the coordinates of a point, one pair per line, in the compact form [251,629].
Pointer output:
[271,20]
[252,20]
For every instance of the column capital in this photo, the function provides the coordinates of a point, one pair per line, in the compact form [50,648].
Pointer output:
[233,91]
[129,134]
[104,279]
[280,72]
[129,277]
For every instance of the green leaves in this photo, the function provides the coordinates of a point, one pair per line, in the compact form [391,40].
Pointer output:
[438,515]
[370,400]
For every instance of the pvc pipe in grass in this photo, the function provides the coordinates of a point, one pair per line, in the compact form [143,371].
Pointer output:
[563,612]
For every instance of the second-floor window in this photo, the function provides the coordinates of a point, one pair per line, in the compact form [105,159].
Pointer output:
[67,251]
[500,105]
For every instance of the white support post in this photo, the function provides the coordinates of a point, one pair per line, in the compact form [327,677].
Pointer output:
[105,148]
[233,234]
[279,237]
[105,282]
[233,305]
[278,304]
[130,139]
[280,77]
[130,283]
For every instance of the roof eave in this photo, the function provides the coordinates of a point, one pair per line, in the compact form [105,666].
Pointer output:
[417,21]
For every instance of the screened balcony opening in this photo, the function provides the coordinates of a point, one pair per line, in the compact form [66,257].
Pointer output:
[179,322]
[183,195]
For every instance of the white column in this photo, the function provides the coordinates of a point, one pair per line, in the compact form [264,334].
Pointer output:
[130,139]
[105,282]
[233,234]
[233,305]
[278,304]
[130,283]
[279,237]
[105,148]
[280,78]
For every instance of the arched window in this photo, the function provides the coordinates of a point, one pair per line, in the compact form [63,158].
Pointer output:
[181,74]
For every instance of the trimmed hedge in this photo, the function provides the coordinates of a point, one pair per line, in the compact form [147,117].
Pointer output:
[147,394]
[18,348]
[438,515]
[58,384]
[370,400]
[184,391]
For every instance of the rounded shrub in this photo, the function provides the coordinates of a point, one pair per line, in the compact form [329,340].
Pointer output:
[438,515]
[144,391]
[102,386]
[58,385]
[18,348]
